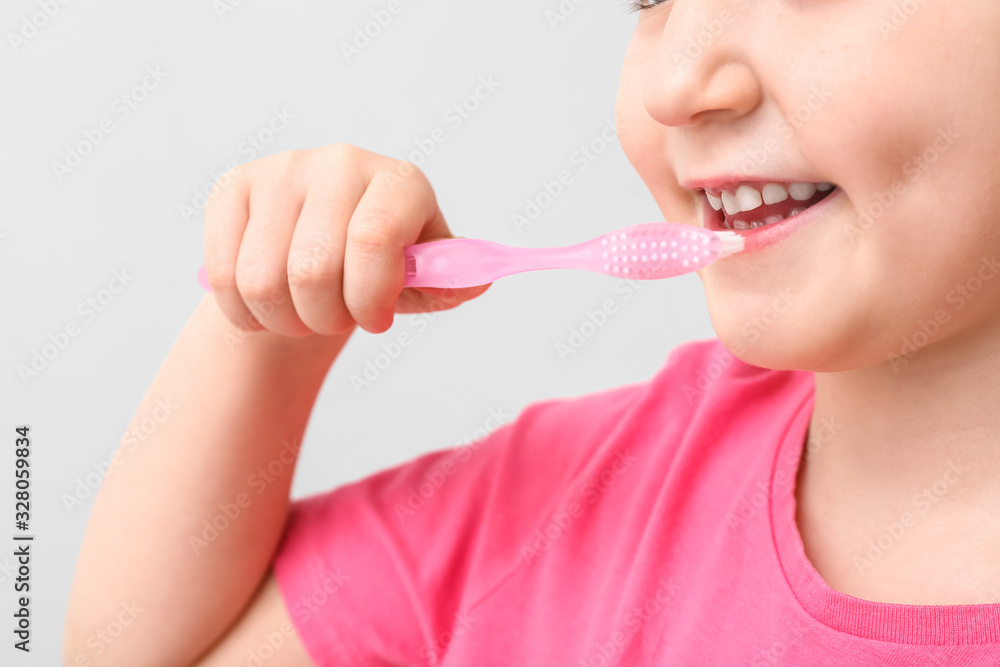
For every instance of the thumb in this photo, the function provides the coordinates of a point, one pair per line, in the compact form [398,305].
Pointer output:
[424,299]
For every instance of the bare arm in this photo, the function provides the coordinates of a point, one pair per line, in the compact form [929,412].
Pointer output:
[264,630]
[237,404]
[302,247]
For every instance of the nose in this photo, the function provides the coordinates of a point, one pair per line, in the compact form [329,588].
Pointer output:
[697,71]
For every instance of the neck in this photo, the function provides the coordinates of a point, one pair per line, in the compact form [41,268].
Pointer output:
[897,493]
[890,430]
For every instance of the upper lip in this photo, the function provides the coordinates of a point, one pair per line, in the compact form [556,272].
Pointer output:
[716,184]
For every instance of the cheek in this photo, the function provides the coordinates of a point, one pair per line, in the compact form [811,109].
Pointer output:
[639,138]
[645,144]
[911,258]
[925,189]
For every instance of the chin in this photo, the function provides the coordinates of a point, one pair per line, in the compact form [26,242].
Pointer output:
[783,332]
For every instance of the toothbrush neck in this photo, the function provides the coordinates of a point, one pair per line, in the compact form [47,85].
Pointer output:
[567,257]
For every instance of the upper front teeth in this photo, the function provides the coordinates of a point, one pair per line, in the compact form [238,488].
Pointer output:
[774,193]
[802,191]
[747,198]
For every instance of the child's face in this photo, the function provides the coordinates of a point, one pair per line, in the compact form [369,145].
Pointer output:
[896,102]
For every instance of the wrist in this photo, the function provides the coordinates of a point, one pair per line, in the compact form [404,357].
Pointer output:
[311,350]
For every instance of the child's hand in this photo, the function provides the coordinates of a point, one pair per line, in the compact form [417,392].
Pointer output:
[312,241]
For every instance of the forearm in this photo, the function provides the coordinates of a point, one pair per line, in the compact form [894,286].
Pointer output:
[229,409]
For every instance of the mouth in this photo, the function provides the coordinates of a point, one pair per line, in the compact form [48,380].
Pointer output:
[753,205]
[762,212]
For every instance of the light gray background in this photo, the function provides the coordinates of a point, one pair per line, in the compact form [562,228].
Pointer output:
[60,242]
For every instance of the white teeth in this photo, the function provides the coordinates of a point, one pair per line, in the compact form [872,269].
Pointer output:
[769,220]
[774,193]
[802,191]
[748,198]
[729,201]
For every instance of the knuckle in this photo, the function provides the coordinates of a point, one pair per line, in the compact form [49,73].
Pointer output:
[221,274]
[410,171]
[283,160]
[311,268]
[285,168]
[258,285]
[291,160]
[341,152]
[405,175]
[416,174]
[277,171]
[413,183]
[374,230]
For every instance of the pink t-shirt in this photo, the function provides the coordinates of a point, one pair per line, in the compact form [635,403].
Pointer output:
[647,524]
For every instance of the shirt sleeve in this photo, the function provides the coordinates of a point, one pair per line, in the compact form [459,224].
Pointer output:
[376,572]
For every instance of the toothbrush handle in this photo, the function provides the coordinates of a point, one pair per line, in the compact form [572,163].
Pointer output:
[470,262]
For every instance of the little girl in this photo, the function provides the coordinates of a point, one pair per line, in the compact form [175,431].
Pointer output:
[817,486]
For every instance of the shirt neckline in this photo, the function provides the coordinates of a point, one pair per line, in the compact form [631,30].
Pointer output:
[883,621]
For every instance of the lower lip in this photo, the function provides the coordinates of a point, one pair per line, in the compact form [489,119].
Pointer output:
[768,235]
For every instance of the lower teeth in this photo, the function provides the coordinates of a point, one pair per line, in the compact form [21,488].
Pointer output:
[770,220]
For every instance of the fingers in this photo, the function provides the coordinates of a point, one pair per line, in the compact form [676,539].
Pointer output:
[312,241]
[316,256]
[393,212]
[262,263]
[226,215]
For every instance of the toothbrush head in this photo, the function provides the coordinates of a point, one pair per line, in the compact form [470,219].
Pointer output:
[660,250]
[732,243]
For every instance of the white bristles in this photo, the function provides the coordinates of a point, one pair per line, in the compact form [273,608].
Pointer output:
[732,243]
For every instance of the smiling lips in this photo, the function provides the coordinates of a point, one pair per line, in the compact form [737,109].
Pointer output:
[754,205]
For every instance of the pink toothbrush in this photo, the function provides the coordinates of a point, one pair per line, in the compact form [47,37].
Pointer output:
[641,252]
